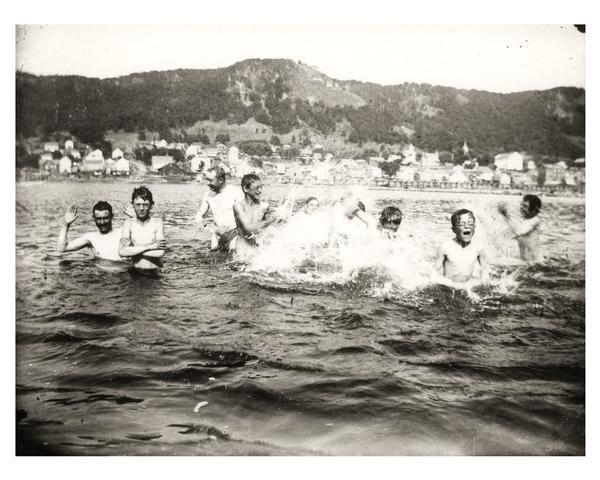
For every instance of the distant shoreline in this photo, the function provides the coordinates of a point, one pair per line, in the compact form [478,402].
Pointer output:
[559,195]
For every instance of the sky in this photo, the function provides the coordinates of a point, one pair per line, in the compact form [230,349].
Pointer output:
[499,58]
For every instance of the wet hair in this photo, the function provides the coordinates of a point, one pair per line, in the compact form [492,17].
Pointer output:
[535,204]
[310,199]
[248,179]
[389,214]
[219,172]
[102,206]
[459,213]
[143,193]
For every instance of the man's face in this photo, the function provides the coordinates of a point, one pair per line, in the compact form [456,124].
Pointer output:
[254,190]
[465,228]
[392,224]
[214,183]
[311,206]
[142,208]
[525,209]
[103,219]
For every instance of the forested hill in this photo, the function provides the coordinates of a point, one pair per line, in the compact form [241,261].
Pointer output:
[285,95]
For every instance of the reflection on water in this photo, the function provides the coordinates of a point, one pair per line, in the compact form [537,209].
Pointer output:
[333,357]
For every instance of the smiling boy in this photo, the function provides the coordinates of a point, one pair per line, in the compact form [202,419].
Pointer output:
[458,257]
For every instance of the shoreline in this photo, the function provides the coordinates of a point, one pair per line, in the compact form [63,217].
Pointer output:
[562,194]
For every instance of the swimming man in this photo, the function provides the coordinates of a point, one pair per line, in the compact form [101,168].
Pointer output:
[526,229]
[143,237]
[220,202]
[104,243]
[251,214]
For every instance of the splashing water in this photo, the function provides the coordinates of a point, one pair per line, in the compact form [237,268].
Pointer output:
[327,248]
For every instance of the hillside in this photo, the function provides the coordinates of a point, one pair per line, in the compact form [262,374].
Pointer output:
[265,97]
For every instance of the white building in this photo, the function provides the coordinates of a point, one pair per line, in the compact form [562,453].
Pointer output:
[117,153]
[51,147]
[430,159]
[121,166]
[69,145]
[465,148]
[410,155]
[406,174]
[509,161]
[458,177]
[233,155]
[65,165]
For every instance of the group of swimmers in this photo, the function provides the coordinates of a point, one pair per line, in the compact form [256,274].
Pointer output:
[240,215]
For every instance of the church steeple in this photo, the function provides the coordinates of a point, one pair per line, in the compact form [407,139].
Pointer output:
[465,148]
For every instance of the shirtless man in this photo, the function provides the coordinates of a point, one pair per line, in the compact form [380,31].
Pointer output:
[220,202]
[143,238]
[458,257]
[251,214]
[527,228]
[104,243]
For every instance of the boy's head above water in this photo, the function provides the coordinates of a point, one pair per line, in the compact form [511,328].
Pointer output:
[252,186]
[390,218]
[463,225]
[530,206]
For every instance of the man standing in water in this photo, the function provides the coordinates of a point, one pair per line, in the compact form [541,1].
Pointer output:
[457,258]
[526,229]
[143,238]
[250,213]
[104,243]
[220,202]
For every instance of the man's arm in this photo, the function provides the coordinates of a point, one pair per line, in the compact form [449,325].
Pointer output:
[484,274]
[518,226]
[126,249]
[78,244]
[160,241]
[204,207]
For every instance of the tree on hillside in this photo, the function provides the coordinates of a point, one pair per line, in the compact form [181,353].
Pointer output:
[293,140]
[222,138]
[390,168]
[204,139]
[141,135]
[275,141]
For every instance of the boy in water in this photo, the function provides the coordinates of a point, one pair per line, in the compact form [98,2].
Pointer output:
[143,237]
[527,228]
[220,202]
[104,243]
[458,257]
[388,223]
[311,205]
[251,214]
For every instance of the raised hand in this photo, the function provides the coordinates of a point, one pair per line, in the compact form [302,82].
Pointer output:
[129,210]
[71,214]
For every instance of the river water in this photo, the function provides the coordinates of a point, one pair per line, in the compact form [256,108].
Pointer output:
[210,357]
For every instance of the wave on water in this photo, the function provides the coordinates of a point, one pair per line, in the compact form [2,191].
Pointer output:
[325,250]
